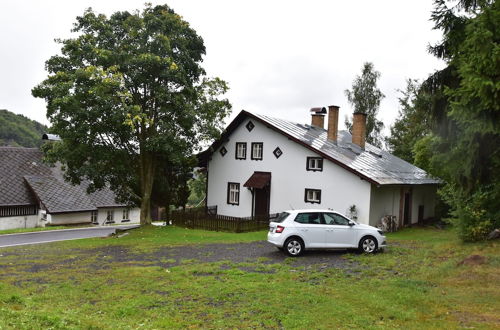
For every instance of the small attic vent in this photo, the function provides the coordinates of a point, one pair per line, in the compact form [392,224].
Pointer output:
[351,150]
[375,154]
[304,126]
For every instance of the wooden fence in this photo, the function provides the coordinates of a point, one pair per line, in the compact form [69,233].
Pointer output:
[202,218]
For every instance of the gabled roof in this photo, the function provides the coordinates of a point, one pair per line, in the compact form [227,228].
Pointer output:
[371,164]
[58,196]
[15,163]
[25,180]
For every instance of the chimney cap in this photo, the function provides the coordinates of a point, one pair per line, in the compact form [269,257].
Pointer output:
[360,113]
[334,106]
[319,110]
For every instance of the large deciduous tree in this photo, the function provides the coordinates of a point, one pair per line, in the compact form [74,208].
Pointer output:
[365,97]
[130,100]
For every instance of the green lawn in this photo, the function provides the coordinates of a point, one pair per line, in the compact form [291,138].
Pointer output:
[417,283]
[29,230]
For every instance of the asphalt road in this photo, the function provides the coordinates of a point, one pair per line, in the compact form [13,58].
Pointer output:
[58,235]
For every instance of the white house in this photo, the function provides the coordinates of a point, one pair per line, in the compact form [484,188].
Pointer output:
[33,194]
[264,165]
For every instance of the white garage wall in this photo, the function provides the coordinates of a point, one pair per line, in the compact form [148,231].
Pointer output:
[423,195]
[69,218]
[339,187]
[384,201]
[24,221]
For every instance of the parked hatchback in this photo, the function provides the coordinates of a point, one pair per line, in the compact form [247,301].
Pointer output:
[297,230]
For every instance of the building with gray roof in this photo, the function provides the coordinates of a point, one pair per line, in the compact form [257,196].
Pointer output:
[308,166]
[32,194]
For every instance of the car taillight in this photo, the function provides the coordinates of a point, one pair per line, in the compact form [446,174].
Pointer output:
[279,229]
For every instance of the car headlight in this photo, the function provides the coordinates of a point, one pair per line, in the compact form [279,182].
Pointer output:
[381,232]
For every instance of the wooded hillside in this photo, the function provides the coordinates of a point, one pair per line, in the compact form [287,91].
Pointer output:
[20,131]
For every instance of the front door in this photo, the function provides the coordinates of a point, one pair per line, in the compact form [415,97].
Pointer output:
[261,206]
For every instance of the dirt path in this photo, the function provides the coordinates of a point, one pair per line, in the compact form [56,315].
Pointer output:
[33,260]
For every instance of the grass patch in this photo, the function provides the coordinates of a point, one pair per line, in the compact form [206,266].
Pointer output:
[417,283]
[29,230]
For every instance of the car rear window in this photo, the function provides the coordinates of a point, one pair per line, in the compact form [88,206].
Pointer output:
[310,218]
[281,217]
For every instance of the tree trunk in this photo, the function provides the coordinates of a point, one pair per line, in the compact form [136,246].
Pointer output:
[147,179]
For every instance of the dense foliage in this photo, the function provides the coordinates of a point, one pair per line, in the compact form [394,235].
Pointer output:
[365,97]
[20,131]
[452,126]
[131,102]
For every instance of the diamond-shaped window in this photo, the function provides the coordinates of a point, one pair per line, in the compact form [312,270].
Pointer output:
[223,151]
[277,152]
[250,126]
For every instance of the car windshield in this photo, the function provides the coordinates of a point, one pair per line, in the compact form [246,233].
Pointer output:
[281,217]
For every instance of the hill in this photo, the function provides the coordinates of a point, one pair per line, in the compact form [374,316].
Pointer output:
[20,131]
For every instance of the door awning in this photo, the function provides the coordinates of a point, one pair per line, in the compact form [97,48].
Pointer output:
[258,180]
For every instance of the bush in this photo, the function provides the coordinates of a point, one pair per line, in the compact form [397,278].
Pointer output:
[475,214]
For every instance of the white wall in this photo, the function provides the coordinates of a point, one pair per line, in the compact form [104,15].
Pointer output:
[68,218]
[384,201]
[339,187]
[134,215]
[22,221]
[423,195]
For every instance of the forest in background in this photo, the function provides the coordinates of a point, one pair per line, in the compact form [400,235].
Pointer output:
[20,131]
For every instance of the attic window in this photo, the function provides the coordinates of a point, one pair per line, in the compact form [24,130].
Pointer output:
[250,126]
[375,154]
[257,150]
[314,164]
[223,151]
[277,152]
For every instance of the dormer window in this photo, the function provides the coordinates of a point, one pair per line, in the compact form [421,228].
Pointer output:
[314,164]
[257,150]
[241,150]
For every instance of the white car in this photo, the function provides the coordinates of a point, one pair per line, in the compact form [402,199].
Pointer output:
[297,230]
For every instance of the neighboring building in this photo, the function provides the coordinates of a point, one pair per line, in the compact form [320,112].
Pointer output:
[33,194]
[263,165]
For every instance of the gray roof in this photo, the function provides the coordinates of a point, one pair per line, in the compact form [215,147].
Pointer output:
[58,196]
[378,166]
[24,178]
[15,163]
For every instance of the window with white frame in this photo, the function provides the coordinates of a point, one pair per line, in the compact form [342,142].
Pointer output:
[93,216]
[257,150]
[241,150]
[126,215]
[312,196]
[314,164]
[110,216]
[233,193]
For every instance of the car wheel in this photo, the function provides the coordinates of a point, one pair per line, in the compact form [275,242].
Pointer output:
[368,245]
[294,247]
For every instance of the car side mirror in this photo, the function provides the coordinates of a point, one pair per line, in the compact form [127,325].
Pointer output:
[351,223]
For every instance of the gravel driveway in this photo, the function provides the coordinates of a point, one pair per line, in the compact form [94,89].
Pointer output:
[106,257]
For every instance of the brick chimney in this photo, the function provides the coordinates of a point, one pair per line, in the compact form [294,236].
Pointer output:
[359,129]
[318,117]
[333,122]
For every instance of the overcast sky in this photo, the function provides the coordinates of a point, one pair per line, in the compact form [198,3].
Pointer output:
[280,58]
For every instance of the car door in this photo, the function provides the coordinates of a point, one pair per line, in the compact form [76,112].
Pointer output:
[311,227]
[339,234]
